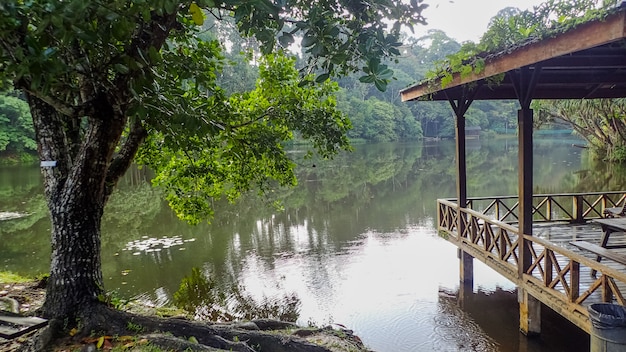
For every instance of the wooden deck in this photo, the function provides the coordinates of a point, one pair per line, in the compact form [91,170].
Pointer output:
[556,273]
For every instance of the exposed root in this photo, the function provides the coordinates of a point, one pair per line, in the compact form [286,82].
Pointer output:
[248,337]
[179,334]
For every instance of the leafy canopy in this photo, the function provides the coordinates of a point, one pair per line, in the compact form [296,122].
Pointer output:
[16,127]
[144,66]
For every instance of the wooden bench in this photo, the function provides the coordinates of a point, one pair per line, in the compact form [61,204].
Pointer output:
[600,252]
[615,211]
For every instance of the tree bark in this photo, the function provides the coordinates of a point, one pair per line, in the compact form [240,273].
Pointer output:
[76,194]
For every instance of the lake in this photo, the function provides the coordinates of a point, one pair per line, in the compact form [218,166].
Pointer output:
[355,242]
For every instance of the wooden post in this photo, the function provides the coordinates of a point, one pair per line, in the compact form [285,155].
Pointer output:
[529,313]
[466,261]
[461,167]
[530,308]
[525,171]
[466,282]
[578,210]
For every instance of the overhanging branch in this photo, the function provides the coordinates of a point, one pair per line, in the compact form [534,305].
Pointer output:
[122,161]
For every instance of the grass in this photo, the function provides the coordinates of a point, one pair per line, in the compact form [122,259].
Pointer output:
[9,277]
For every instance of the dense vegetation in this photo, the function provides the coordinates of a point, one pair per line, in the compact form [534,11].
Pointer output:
[111,84]
[375,115]
[17,137]
[380,116]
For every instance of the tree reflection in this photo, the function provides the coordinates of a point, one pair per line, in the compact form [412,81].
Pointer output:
[382,189]
[206,300]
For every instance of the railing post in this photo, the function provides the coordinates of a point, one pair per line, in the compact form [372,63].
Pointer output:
[547,268]
[607,292]
[549,209]
[575,280]
[498,210]
[578,209]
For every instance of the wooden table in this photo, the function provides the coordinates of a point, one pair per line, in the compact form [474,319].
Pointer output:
[610,225]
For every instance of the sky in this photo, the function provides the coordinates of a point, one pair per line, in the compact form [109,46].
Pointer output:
[464,20]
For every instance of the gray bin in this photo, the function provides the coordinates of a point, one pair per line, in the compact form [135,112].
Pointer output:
[608,332]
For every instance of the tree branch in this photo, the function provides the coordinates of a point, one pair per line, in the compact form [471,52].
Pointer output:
[259,118]
[72,111]
[122,161]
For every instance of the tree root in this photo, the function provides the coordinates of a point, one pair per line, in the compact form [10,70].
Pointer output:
[177,334]
[246,337]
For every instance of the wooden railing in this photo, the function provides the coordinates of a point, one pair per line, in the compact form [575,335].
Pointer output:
[571,207]
[554,275]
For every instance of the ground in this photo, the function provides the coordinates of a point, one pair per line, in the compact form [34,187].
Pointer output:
[23,297]
[29,296]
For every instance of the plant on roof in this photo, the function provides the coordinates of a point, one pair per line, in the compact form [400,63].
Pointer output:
[512,28]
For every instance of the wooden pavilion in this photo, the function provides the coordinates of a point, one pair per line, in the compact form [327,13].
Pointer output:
[585,62]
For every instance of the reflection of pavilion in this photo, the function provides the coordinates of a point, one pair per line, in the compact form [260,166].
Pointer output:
[473,144]
[585,62]
[472,132]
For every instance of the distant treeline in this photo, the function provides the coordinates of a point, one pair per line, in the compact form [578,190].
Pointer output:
[376,116]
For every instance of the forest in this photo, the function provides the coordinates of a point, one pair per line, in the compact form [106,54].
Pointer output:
[376,116]
[380,116]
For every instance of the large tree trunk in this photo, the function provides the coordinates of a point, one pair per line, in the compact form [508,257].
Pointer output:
[75,272]
[76,194]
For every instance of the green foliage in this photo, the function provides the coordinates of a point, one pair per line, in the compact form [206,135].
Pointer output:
[337,36]
[379,121]
[601,122]
[150,68]
[112,298]
[242,145]
[16,127]
[134,327]
[9,277]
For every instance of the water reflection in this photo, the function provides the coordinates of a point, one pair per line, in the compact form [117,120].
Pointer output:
[356,240]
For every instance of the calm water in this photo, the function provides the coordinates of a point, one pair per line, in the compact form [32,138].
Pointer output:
[356,242]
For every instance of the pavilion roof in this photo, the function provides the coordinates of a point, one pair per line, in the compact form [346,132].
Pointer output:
[585,62]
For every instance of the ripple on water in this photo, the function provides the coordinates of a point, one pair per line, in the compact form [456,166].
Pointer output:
[399,330]
[455,330]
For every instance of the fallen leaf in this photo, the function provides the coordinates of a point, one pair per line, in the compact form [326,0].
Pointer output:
[100,342]
[107,345]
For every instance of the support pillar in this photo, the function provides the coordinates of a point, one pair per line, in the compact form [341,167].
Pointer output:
[529,313]
[466,261]
[525,170]
[529,307]
[466,282]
